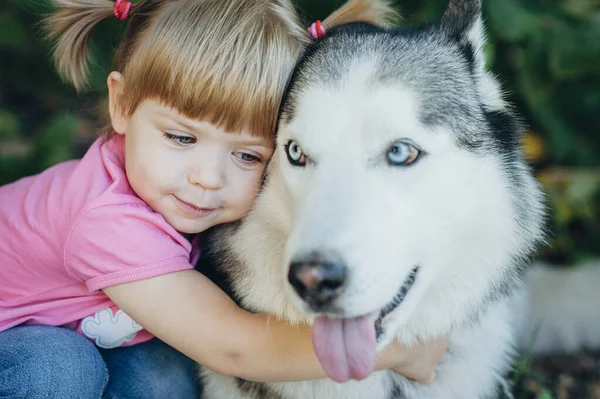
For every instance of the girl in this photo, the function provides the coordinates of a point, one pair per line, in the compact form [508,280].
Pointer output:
[94,259]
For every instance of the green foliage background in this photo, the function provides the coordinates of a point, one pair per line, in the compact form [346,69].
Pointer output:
[546,53]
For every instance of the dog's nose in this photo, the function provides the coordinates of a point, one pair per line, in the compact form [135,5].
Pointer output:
[318,279]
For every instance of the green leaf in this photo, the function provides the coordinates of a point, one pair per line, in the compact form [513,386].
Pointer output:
[13,32]
[510,20]
[545,394]
[539,91]
[575,51]
[9,124]
[55,143]
[583,187]
[581,9]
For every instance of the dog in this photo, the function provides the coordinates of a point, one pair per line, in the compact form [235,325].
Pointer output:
[398,200]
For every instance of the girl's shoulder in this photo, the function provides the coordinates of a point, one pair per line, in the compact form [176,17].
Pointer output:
[121,240]
[52,201]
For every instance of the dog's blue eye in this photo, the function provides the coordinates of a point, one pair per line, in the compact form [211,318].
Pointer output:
[294,154]
[402,153]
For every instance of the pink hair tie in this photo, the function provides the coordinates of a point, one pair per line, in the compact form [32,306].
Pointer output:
[317,30]
[121,9]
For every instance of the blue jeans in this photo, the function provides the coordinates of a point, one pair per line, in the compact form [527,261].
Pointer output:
[51,362]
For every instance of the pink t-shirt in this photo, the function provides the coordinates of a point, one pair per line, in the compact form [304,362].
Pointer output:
[74,229]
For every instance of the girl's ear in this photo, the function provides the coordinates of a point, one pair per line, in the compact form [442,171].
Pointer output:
[118,118]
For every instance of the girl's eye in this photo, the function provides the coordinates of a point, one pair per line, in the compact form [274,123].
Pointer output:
[294,153]
[247,157]
[402,153]
[180,140]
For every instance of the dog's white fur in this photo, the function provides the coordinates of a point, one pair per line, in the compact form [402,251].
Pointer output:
[453,214]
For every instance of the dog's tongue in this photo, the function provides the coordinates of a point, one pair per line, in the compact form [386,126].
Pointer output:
[346,348]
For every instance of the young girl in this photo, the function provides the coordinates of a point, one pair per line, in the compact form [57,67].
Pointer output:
[94,249]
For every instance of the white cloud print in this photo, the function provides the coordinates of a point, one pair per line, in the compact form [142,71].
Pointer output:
[110,330]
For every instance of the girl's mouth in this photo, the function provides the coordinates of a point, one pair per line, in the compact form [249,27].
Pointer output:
[192,209]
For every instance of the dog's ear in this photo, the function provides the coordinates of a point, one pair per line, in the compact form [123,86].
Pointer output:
[462,15]
[462,22]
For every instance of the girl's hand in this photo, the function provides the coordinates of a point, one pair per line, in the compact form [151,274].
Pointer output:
[419,362]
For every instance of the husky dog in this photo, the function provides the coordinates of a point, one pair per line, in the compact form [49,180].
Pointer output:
[397,201]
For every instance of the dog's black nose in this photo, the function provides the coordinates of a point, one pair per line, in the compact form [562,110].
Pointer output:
[318,279]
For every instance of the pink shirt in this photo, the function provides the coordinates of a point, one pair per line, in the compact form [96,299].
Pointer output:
[72,230]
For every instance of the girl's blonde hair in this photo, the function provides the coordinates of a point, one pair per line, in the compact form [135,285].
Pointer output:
[380,13]
[222,61]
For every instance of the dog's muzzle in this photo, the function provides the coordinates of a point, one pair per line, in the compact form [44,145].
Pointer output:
[345,346]
[318,279]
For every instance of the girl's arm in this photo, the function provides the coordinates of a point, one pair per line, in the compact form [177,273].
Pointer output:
[190,313]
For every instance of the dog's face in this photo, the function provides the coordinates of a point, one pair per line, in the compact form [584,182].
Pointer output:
[402,189]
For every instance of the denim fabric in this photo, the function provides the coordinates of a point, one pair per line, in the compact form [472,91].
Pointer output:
[149,370]
[51,362]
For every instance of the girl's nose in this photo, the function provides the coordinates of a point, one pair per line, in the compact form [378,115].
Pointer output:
[207,174]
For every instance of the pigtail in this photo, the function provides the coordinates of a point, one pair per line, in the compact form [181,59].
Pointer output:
[376,12]
[71,26]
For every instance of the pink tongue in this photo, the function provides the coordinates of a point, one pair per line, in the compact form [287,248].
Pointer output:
[346,348]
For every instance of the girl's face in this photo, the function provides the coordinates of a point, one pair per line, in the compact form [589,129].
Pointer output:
[191,172]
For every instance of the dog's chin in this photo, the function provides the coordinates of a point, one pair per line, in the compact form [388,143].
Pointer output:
[346,344]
